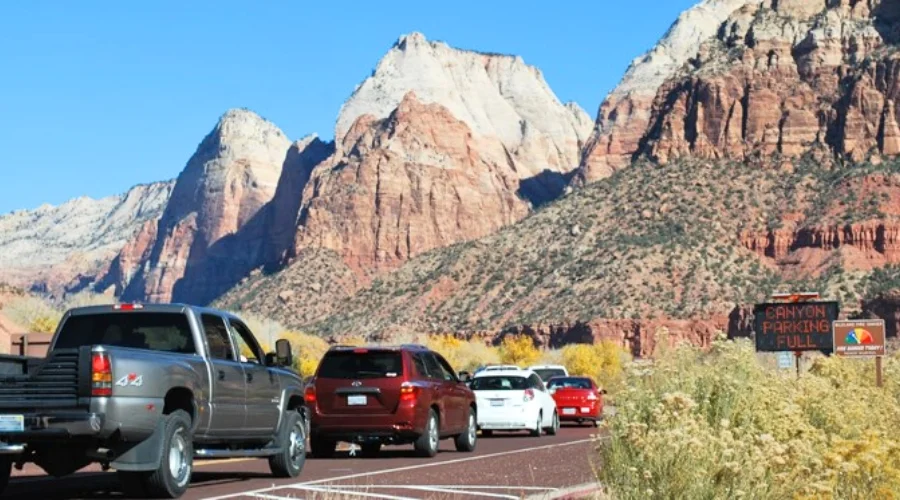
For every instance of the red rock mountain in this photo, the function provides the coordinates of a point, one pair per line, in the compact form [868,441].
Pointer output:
[437,146]
[738,78]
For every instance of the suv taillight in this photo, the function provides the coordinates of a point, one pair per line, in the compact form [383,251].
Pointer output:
[408,393]
[310,395]
[592,396]
[101,374]
[529,395]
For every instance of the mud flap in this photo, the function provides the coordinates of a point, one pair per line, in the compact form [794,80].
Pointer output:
[143,456]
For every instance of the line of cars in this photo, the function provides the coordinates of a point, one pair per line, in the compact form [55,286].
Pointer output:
[409,394]
[146,389]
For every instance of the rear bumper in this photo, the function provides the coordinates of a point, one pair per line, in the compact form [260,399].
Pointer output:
[406,423]
[39,427]
[521,417]
[575,413]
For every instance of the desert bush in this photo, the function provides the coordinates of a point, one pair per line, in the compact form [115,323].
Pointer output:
[33,313]
[603,362]
[463,354]
[717,424]
[518,350]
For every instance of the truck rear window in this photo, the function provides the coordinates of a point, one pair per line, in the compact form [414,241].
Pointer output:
[168,332]
[357,365]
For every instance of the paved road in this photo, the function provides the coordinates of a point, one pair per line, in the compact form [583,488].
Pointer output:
[505,466]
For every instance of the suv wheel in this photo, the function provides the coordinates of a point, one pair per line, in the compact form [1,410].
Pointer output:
[427,444]
[289,462]
[321,447]
[536,432]
[466,440]
[554,427]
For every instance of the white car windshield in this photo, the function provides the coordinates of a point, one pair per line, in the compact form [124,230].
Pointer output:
[500,383]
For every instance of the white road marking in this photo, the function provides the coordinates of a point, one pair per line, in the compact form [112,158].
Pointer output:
[272,497]
[326,489]
[450,486]
[401,469]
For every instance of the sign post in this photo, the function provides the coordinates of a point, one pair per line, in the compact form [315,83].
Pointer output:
[861,338]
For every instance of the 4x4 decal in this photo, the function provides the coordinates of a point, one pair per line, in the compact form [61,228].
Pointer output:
[132,379]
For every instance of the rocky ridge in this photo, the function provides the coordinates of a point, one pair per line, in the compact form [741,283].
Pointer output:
[58,249]
[775,78]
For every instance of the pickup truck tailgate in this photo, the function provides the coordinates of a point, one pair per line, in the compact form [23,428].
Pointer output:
[51,384]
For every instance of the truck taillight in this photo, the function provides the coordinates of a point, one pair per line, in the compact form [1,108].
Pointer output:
[529,395]
[408,393]
[101,374]
[310,395]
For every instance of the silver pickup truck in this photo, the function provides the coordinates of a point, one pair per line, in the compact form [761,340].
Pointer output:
[145,389]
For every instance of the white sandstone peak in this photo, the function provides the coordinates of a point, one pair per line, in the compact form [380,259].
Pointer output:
[681,42]
[495,95]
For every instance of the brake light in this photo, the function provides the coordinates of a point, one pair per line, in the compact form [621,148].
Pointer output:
[310,394]
[101,374]
[360,350]
[592,396]
[529,394]
[127,307]
[408,393]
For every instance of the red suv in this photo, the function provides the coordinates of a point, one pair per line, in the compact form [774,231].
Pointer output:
[372,396]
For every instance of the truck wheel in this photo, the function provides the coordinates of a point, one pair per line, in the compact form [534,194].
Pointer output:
[427,444]
[466,440]
[289,462]
[321,447]
[5,471]
[173,476]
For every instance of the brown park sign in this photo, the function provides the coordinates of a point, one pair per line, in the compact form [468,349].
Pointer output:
[860,337]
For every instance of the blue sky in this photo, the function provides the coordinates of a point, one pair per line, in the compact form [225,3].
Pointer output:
[97,96]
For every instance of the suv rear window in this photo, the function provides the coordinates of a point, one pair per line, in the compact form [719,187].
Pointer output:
[548,373]
[500,383]
[168,332]
[361,364]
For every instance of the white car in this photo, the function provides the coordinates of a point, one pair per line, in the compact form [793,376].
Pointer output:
[546,372]
[514,400]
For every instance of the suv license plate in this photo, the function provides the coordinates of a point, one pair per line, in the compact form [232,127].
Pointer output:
[496,402]
[12,423]
[356,400]
[568,411]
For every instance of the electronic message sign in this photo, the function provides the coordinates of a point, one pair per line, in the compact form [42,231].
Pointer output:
[797,326]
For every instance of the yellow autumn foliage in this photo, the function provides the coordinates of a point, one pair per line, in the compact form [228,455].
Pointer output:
[603,362]
[463,355]
[718,424]
[518,350]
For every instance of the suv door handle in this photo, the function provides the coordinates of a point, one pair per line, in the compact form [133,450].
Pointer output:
[249,377]
[221,375]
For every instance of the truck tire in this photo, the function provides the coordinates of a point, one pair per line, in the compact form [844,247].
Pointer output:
[427,444]
[321,447]
[173,476]
[5,471]
[466,440]
[292,440]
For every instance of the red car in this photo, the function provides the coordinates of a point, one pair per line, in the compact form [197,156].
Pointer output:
[373,396]
[578,399]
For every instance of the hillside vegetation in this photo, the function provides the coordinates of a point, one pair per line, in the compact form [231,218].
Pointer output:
[650,241]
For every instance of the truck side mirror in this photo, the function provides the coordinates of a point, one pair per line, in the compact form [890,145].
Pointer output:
[283,353]
[271,359]
[464,376]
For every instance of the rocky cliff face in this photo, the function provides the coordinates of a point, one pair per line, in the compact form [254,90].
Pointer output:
[63,248]
[495,96]
[774,77]
[212,230]
[416,180]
